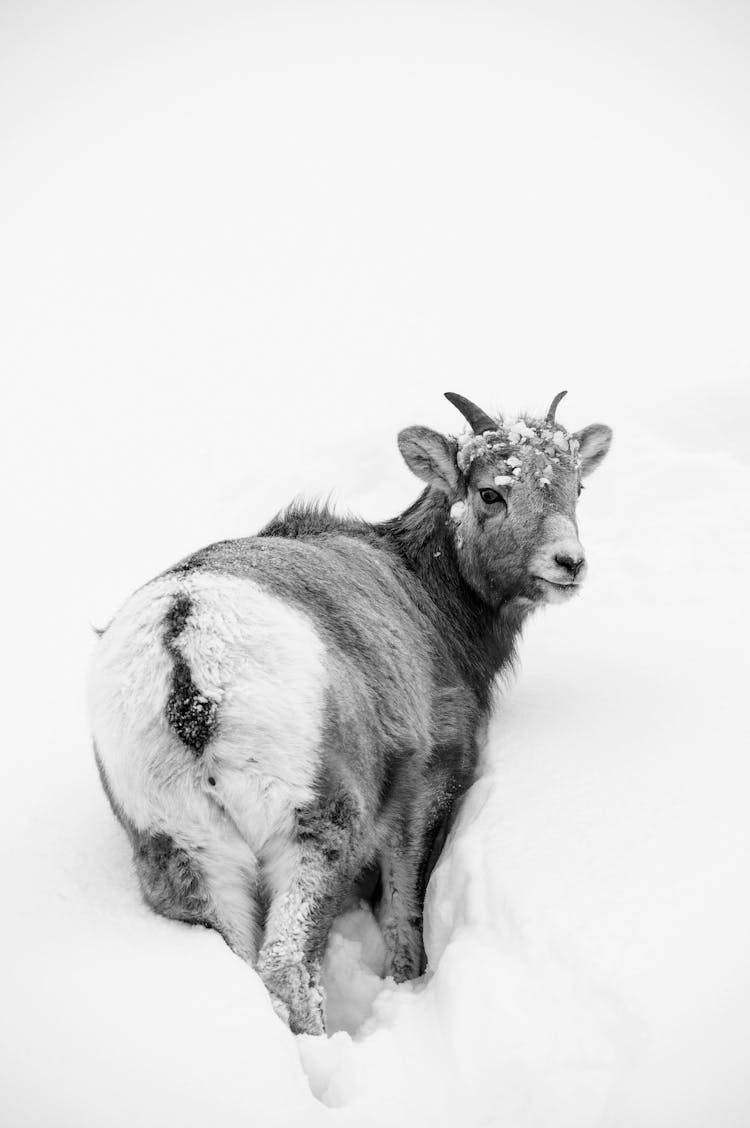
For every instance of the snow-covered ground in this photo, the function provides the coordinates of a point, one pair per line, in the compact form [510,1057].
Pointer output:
[246,244]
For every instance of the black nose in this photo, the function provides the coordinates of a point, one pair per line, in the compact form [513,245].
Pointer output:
[571,564]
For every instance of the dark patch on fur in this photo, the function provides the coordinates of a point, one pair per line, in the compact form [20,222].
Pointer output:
[191,714]
[330,833]
[327,825]
[170,881]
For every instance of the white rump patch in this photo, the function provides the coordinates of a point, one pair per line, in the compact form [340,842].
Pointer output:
[262,662]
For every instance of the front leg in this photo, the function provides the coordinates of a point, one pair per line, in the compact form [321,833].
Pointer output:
[399,913]
[306,887]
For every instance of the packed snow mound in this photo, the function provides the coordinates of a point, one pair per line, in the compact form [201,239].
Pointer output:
[353,970]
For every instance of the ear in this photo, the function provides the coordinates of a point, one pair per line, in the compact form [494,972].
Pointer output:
[593,444]
[431,456]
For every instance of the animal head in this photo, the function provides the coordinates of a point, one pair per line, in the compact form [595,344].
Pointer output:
[511,488]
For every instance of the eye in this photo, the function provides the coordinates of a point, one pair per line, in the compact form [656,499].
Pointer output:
[491,497]
[581,488]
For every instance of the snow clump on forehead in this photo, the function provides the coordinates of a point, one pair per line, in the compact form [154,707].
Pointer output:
[521,447]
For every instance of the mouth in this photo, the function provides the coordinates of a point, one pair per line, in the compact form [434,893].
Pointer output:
[558,589]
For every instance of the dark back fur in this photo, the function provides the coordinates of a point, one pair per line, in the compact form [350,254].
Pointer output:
[419,550]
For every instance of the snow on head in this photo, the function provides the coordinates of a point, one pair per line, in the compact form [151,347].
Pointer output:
[519,447]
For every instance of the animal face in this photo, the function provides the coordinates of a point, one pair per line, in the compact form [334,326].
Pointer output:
[512,486]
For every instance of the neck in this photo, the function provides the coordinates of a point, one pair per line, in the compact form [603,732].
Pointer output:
[481,639]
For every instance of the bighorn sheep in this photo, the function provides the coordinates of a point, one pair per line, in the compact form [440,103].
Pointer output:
[274,716]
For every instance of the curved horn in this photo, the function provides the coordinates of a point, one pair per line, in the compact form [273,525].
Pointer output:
[553,407]
[480,421]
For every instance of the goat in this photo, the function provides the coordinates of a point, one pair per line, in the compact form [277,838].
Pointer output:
[273,717]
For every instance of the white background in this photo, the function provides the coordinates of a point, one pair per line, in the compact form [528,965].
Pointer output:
[243,245]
